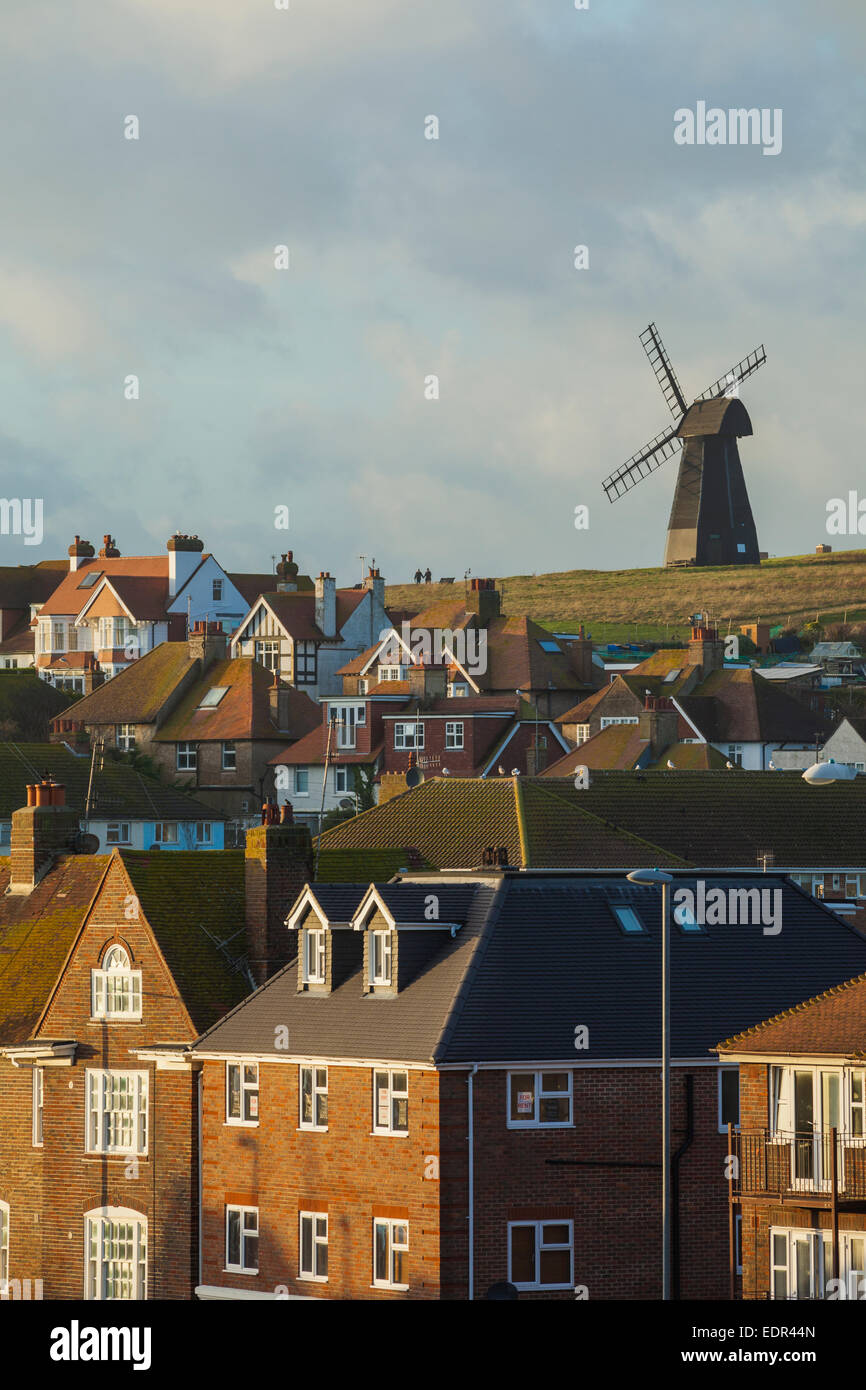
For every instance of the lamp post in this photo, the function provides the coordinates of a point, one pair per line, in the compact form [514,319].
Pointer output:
[649,878]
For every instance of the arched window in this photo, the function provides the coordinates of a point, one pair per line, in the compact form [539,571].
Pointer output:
[115,1245]
[4,1245]
[116,987]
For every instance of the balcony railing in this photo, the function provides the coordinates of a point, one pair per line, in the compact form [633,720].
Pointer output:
[820,1162]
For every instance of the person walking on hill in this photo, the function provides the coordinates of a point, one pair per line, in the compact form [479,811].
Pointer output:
[427,576]
[417,576]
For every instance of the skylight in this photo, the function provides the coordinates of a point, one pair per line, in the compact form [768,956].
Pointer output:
[90,579]
[213,696]
[672,675]
[687,921]
[547,646]
[629,922]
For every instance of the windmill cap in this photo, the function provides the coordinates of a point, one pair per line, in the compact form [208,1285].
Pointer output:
[722,415]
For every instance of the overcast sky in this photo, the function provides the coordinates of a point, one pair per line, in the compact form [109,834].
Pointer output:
[410,257]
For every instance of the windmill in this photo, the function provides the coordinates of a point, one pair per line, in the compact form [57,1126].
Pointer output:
[711,520]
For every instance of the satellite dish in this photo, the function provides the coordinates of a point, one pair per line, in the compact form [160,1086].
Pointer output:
[346,804]
[414,778]
[83,843]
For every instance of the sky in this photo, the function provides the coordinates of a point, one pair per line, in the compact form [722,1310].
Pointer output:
[262,388]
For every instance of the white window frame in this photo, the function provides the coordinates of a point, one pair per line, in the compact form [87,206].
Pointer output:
[162,832]
[341,780]
[97,1122]
[540,1247]
[391,1093]
[538,1095]
[268,653]
[245,1233]
[820,1260]
[318,1242]
[454,734]
[217,591]
[97,1268]
[203,832]
[394,1224]
[317,1089]
[608,720]
[723,1128]
[229,756]
[735,753]
[186,757]
[124,737]
[247,1088]
[581,733]
[38,1105]
[117,832]
[115,970]
[314,959]
[380,956]
[299,773]
[407,742]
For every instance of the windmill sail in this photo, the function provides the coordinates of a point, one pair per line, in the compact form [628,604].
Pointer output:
[664,372]
[743,369]
[641,464]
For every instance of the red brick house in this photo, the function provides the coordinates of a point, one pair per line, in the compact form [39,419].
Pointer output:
[455,1083]
[799,1191]
[110,966]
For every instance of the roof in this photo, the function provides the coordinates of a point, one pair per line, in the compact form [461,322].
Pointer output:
[622,820]
[537,952]
[126,573]
[516,659]
[310,750]
[21,585]
[830,1024]
[118,789]
[579,714]
[617,745]
[192,902]
[296,612]
[243,712]
[356,666]
[835,651]
[138,693]
[251,586]
[738,706]
[37,932]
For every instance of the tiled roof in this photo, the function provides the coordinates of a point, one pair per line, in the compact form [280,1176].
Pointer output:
[691,757]
[69,597]
[535,954]
[831,1024]
[357,664]
[146,598]
[737,706]
[37,932]
[297,612]
[311,749]
[377,865]
[579,714]
[137,694]
[616,746]
[516,659]
[251,586]
[192,902]
[622,819]
[118,790]
[244,711]
[21,585]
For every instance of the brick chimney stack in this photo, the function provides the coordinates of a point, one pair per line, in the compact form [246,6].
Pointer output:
[278,698]
[427,683]
[659,723]
[705,649]
[580,657]
[207,643]
[41,831]
[109,549]
[484,599]
[278,861]
[78,551]
[184,556]
[326,604]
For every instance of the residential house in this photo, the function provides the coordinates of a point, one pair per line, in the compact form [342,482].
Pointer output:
[110,610]
[306,630]
[206,722]
[840,662]
[23,591]
[455,1083]
[846,745]
[110,966]
[653,742]
[798,1190]
[114,802]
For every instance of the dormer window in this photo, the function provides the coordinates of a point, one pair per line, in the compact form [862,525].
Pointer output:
[116,987]
[313,946]
[380,958]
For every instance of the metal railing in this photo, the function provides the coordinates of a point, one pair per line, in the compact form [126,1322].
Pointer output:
[819,1162]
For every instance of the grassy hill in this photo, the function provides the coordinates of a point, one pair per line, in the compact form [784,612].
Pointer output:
[620,605]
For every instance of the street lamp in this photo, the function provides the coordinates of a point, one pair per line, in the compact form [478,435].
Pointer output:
[649,878]
[822,774]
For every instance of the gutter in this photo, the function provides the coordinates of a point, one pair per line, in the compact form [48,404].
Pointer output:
[200,1147]
[471,1196]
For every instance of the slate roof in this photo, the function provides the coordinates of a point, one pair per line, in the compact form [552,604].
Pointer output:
[244,712]
[37,932]
[118,790]
[623,820]
[138,693]
[538,953]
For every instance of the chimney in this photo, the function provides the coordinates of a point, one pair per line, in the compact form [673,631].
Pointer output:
[484,599]
[326,604]
[278,698]
[659,723]
[41,830]
[184,554]
[287,574]
[207,643]
[705,649]
[78,551]
[391,784]
[580,657]
[278,861]
[109,549]
[375,585]
[427,683]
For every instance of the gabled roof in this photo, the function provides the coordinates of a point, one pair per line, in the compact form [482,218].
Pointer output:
[516,659]
[251,586]
[118,792]
[579,714]
[738,706]
[311,750]
[37,932]
[617,746]
[138,693]
[535,953]
[355,667]
[296,612]
[243,712]
[21,585]
[830,1024]
[141,577]
[622,820]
